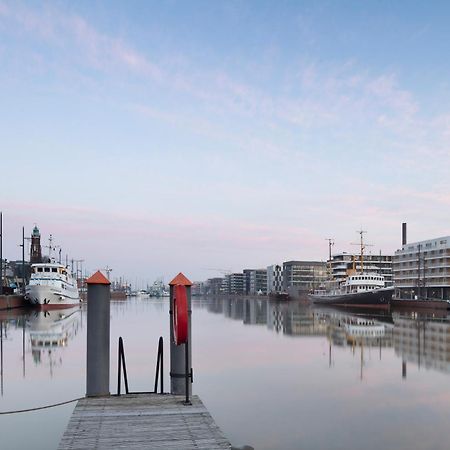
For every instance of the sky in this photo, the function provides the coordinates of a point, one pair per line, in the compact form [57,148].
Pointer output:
[155,137]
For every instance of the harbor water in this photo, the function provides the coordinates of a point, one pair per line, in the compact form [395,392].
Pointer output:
[274,375]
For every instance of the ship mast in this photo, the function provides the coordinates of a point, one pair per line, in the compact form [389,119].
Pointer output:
[330,245]
[362,248]
[361,232]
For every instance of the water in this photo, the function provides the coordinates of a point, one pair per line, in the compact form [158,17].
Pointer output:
[274,376]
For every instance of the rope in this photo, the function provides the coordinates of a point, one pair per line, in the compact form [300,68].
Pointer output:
[40,407]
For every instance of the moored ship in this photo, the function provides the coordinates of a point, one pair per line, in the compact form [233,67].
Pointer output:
[360,289]
[357,288]
[52,286]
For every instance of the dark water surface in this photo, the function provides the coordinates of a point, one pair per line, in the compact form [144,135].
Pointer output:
[273,375]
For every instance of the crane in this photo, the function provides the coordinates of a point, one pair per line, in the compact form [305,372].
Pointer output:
[222,271]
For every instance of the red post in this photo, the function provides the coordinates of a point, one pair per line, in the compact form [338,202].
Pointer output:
[180,355]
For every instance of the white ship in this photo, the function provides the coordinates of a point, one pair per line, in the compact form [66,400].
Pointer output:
[52,286]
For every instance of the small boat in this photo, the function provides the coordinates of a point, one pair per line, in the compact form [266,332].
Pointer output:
[142,294]
[279,296]
[52,286]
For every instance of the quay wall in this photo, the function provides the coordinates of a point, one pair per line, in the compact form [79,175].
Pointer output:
[427,304]
[12,301]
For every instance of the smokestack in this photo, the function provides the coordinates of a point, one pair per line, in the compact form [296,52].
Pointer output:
[404,233]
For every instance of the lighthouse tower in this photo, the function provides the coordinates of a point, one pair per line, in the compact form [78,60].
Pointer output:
[35,252]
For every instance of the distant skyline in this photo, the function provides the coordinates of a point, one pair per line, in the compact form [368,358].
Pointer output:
[158,137]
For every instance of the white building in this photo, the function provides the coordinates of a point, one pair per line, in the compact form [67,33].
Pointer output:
[422,270]
[341,263]
[274,278]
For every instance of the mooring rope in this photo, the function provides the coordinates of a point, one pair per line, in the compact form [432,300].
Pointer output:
[40,407]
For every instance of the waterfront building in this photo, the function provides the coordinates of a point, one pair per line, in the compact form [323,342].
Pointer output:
[197,288]
[258,282]
[247,276]
[303,276]
[214,286]
[274,278]
[234,284]
[422,270]
[341,263]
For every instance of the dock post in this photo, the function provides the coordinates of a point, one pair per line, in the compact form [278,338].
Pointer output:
[1,253]
[178,352]
[98,335]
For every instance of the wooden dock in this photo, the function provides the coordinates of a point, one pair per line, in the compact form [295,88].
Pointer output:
[142,421]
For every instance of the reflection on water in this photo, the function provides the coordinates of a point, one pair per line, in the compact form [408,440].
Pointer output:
[423,341]
[420,339]
[319,378]
[50,332]
[44,334]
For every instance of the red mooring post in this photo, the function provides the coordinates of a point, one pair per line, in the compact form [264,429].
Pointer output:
[181,354]
[98,335]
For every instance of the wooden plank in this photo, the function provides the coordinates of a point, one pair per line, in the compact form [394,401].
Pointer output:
[138,421]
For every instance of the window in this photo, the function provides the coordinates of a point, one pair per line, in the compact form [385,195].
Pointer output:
[46,269]
[54,269]
[39,269]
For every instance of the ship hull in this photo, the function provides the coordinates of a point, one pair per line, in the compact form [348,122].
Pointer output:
[50,297]
[379,297]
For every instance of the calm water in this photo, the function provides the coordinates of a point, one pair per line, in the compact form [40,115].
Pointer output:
[274,376]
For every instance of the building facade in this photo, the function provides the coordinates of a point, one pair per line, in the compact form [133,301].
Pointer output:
[258,282]
[274,279]
[422,270]
[247,276]
[214,286]
[234,284]
[303,276]
[341,263]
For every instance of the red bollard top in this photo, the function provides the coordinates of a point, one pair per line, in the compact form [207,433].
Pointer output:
[180,279]
[98,278]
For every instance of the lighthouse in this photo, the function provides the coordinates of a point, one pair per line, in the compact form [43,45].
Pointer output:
[35,252]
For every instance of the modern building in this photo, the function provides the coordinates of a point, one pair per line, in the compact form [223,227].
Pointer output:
[422,270]
[258,282]
[303,276]
[214,286]
[341,263]
[274,278]
[247,276]
[198,288]
[234,284]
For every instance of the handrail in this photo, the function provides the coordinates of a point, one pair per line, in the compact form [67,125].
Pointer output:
[159,375]
[124,366]
[160,366]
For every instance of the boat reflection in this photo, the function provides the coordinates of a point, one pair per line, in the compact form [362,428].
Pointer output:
[50,332]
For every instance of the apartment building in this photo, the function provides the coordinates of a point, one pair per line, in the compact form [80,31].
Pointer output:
[341,263]
[274,278]
[422,270]
[303,276]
